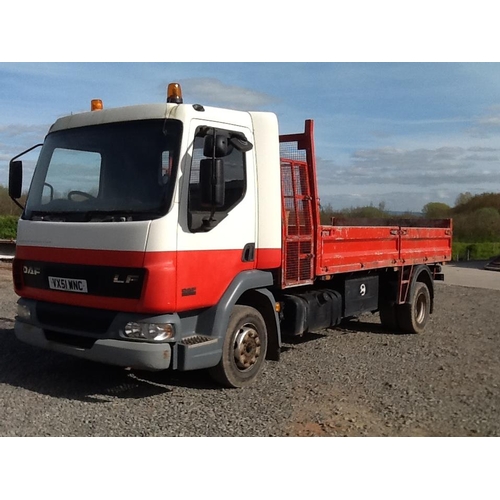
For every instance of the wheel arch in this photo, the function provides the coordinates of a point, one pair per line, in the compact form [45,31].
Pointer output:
[423,274]
[248,288]
[263,301]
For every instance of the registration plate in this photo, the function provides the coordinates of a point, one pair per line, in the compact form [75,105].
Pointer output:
[68,284]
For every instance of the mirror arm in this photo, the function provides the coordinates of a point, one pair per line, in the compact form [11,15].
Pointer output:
[17,203]
[27,151]
[15,158]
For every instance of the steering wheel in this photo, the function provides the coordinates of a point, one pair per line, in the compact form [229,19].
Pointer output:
[87,196]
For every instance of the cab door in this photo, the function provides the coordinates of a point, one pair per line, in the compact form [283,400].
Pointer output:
[215,243]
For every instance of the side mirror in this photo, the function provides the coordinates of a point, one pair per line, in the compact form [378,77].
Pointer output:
[15,179]
[16,176]
[240,142]
[217,146]
[212,182]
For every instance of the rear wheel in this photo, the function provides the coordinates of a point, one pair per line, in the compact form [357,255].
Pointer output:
[413,316]
[244,349]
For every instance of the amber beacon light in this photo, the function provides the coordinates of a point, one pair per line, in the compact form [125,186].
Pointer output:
[174,93]
[96,105]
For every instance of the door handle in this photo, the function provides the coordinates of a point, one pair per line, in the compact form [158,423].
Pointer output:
[248,254]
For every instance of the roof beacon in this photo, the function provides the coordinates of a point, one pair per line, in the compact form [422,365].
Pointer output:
[174,93]
[96,105]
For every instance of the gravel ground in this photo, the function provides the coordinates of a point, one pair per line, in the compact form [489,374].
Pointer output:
[355,380]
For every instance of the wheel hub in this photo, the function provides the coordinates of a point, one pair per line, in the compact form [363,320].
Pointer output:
[246,347]
[420,309]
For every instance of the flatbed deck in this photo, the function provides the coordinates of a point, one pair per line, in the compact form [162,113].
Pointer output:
[352,245]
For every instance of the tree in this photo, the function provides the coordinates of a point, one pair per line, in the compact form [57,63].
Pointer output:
[7,206]
[463,198]
[483,200]
[366,212]
[436,210]
[326,213]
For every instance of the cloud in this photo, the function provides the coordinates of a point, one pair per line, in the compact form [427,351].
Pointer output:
[214,92]
[16,138]
[419,167]
[394,200]
[487,125]
[405,177]
[479,149]
[19,130]
[476,157]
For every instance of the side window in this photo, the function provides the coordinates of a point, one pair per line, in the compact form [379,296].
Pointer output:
[200,217]
[166,167]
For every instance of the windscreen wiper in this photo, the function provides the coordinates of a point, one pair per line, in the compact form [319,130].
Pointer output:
[117,215]
[93,215]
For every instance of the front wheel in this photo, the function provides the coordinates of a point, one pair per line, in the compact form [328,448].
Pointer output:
[244,349]
[413,316]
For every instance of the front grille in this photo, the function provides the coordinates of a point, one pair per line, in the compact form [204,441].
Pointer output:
[68,339]
[103,281]
[74,318]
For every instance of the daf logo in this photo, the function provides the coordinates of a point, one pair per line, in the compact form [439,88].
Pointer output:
[125,278]
[31,270]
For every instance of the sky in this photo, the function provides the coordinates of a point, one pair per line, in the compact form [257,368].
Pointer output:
[402,134]
[400,117]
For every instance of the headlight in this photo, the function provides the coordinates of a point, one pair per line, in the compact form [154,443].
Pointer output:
[160,331]
[149,331]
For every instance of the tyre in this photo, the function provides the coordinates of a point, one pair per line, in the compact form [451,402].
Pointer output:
[413,316]
[244,349]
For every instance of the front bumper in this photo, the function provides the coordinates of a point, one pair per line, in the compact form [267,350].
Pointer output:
[97,335]
[133,354]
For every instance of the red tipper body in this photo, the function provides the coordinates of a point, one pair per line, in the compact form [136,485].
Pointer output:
[312,250]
